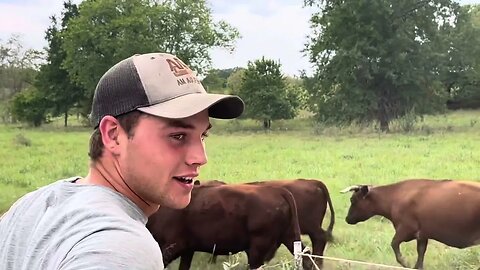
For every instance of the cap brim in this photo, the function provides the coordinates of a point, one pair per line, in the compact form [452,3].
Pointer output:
[218,105]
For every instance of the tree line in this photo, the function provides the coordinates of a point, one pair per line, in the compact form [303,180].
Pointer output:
[374,61]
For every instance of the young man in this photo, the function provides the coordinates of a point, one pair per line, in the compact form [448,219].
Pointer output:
[151,115]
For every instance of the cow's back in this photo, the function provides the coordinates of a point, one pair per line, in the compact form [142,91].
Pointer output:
[310,198]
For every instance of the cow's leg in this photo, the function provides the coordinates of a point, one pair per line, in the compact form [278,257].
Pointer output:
[186,260]
[171,252]
[421,249]
[402,234]
[319,241]
[261,250]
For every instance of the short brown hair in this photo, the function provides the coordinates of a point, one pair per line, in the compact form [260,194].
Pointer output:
[127,121]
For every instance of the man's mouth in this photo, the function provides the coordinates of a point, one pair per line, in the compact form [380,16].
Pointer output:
[184,180]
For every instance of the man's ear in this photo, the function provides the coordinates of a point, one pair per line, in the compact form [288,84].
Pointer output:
[110,130]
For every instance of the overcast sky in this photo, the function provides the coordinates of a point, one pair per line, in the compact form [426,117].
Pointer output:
[276,29]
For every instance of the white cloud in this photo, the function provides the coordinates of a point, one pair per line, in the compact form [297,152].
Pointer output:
[276,31]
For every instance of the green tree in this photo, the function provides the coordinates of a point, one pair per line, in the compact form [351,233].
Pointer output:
[107,31]
[461,73]
[17,64]
[264,90]
[53,80]
[234,81]
[216,80]
[377,59]
[18,67]
[296,89]
[30,106]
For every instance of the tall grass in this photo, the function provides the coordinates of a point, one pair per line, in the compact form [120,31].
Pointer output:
[443,146]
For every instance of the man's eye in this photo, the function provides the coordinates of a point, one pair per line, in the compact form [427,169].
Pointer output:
[178,137]
[204,135]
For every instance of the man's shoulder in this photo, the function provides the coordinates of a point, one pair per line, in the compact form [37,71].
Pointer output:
[64,216]
[65,203]
[103,201]
[114,249]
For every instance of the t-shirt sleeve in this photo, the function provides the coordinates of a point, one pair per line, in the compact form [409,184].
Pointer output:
[114,249]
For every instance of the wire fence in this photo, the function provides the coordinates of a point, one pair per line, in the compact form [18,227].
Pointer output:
[343,264]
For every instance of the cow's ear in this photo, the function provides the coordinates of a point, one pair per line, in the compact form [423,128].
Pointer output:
[364,190]
[196,182]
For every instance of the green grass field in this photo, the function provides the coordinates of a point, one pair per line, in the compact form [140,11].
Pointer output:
[442,146]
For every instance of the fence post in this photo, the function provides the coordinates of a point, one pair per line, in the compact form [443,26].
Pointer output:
[297,250]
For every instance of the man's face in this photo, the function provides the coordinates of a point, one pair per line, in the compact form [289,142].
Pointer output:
[159,161]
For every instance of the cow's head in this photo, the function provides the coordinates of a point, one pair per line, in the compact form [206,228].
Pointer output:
[361,205]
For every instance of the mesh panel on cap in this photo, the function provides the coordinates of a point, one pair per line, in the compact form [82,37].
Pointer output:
[119,91]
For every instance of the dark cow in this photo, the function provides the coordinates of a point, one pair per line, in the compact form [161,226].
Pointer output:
[311,197]
[227,219]
[444,210]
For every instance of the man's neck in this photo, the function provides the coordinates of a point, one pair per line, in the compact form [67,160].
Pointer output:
[104,173]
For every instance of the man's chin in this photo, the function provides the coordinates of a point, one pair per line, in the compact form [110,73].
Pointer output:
[177,203]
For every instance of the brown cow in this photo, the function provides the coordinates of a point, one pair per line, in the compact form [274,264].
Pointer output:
[311,197]
[227,219]
[444,210]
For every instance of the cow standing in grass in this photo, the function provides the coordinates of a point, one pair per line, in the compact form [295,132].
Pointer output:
[443,210]
[312,198]
[227,219]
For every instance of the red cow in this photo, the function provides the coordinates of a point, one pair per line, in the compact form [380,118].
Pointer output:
[227,219]
[311,197]
[444,210]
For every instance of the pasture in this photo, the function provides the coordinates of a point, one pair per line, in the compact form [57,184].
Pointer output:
[442,146]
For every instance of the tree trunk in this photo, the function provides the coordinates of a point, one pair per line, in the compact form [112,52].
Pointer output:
[65,119]
[383,115]
[267,123]
[384,125]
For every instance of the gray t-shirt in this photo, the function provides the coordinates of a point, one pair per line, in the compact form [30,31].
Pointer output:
[69,226]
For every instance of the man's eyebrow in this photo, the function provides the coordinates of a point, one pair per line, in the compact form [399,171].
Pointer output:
[182,124]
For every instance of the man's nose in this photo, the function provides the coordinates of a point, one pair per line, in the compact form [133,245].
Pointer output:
[197,154]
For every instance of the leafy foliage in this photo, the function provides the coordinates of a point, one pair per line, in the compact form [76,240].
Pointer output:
[30,106]
[234,81]
[108,31]
[53,80]
[376,60]
[18,67]
[216,80]
[461,74]
[264,90]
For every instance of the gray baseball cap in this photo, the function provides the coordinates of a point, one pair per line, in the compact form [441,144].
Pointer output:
[159,84]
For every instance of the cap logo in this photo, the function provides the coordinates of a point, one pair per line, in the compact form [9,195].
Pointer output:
[178,68]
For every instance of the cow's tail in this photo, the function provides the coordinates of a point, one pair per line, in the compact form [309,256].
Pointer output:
[329,231]
[287,195]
